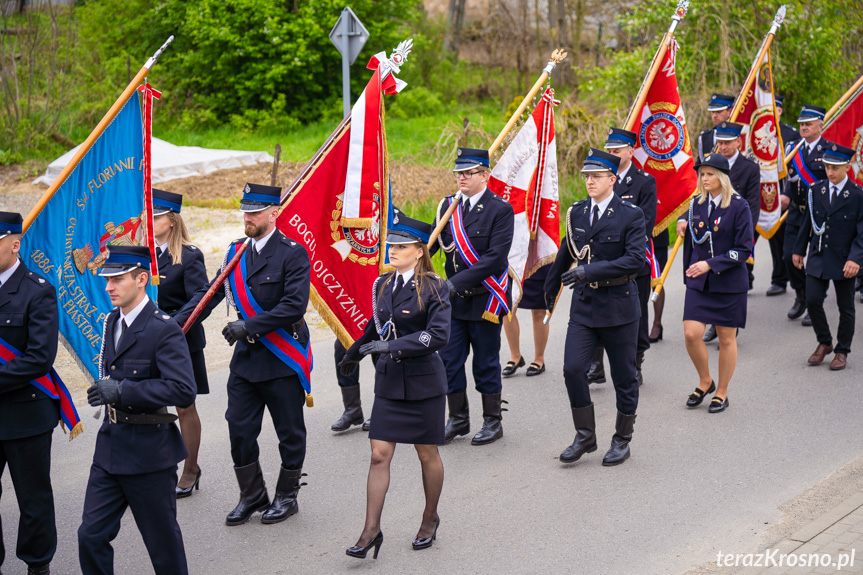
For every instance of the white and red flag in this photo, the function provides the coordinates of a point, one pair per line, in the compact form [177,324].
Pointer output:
[846,128]
[663,148]
[526,177]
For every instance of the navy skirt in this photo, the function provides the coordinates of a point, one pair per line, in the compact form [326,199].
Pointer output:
[402,421]
[199,368]
[533,290]
[722,309]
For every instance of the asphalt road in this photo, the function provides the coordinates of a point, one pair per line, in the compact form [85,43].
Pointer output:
[696,483]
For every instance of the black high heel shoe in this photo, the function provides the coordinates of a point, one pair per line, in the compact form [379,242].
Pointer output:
[657,338]
[426,542]
[187,491]
[697,396]
[361,552]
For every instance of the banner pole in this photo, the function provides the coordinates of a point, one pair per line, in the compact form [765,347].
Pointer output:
[216,285]
[94,135]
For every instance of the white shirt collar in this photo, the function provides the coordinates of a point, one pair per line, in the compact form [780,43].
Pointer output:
[602,205]
[715,201]
[622,174]
[733,159]
[4,277]
[129,317]
[259,244]
[811,146]
[838,187]
[406,277]
[162,248]
[475,199]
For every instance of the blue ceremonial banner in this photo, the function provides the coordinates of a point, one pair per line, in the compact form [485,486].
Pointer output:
[100,204]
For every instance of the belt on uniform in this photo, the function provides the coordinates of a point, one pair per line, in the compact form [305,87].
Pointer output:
[622,280]
[798,207]
[117,416]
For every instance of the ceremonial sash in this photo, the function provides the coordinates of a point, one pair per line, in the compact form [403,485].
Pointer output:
[51,385]
[803,170]
[497,286]
[650,257]
[280,342]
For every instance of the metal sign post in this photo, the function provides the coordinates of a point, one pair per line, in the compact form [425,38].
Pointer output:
[349,36]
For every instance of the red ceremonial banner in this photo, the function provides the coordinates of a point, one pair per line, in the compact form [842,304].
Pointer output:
[663,148]
[846,128]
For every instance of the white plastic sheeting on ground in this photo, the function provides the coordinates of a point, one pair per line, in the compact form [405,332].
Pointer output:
[171,162]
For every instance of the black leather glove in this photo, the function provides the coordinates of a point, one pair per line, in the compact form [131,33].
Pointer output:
[574,277]
[104,392]
[347,367]
[452,290]
[235,331]
[550,300]
[375,347]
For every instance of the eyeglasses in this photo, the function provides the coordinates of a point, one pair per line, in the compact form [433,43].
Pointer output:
[468,175]
[589,177]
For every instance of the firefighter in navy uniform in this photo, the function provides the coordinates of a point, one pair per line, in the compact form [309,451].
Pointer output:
[779,277]
[28,322]
[488,221]
[833,232]
[277,275]
[795,193]
[605,239]
[146,367]
[720,109]
[639,188]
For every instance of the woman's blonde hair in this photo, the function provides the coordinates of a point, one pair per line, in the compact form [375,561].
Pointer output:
[422,272]
[178,237]
[724,181]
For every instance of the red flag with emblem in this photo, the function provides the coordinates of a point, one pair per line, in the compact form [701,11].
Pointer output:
[663,148]
[846,128]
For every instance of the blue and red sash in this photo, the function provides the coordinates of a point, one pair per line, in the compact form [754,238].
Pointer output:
[497,286]
[650,257]
[51,385]
[280,342]
[803,170]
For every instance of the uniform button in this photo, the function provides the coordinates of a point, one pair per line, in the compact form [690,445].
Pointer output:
[134,372]
[828,218]
[113,367]
[33,396]
[8,321]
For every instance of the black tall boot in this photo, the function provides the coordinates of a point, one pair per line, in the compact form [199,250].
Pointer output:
[492,430]
[285,501]
[619,450]
[353,414]
[253,494]
[585,434]
[459,416]
[639,360]
[596,373]
[799,305]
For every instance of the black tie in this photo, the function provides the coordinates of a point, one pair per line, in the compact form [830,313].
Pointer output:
[465,209]
[252,253]
[399,285]
[161,251]
[123,327]
[595,216]
[834,191]
[710,210]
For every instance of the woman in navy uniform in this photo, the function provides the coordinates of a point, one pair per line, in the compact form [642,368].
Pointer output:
[605,241]
[146,368]
[532,298]
[182,273]
[411,323]
[833,232]
[28,322]
[717,242]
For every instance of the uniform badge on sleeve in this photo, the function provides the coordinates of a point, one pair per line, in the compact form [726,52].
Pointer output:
[733,254]
[425,338]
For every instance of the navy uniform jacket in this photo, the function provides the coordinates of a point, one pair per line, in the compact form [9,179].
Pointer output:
[798,190]
[412,369]
[28,321]
[843,231]
[178,284]
[639,188]
[789,133]
[706,142]
[279,281]
[745,178]
[154,365]
[617,249]
[489,227]
[732,245]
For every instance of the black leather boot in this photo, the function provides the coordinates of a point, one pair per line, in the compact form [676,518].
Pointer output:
[285,501]
[43,570]
[253,494]
[639,359]
[619,450]
[799,305]
[492,430]
[596,373]
[585,434]
[353,414]
[459,416]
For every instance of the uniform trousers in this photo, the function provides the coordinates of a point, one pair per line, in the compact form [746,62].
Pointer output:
[284,397]
[816,291]
[484,337]
[643,283]
[796,277]
[620,343]
[29,460]
[153,501]
[779,276]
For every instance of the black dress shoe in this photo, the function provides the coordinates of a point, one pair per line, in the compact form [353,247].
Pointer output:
[43,570]
[361,552]
[187,491]
[709,334]
[367,424]
[775,290]
[799,306]
[425,542]
[657,338]
[535,369]
[806,321]
[697,396]
[717,405]
[511,367]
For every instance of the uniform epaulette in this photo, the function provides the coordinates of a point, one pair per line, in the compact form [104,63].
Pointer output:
[579,202]
[36,278]
[288,241]
[497,197]
[238,241]
[191,247]
[628,204]
[160,315]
